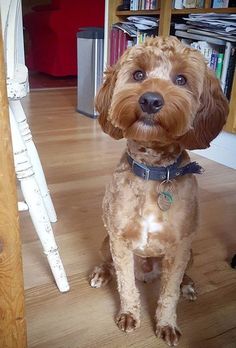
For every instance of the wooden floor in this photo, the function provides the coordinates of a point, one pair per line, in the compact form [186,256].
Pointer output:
[78,160]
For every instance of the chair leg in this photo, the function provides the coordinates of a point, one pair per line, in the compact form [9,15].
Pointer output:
[38,213]
[24,129]
[44,230]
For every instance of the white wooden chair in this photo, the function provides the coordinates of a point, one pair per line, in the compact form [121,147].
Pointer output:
[28,167]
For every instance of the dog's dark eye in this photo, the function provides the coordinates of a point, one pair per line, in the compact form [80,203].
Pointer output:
[180,80]
[139,75]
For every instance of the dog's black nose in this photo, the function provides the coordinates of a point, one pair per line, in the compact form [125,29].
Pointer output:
[151,102]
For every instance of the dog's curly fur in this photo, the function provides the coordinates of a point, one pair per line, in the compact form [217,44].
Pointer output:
[138,231]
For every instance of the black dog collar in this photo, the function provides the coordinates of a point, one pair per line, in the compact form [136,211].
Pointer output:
[163,173]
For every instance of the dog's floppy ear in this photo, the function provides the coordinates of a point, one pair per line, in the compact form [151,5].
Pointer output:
[210,117]
[103,103]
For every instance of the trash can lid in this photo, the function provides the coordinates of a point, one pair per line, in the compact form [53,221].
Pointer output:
[91,33]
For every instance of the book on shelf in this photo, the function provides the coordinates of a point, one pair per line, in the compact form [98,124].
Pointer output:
[221,23]
[214,60]
[198,37]
[230,73]
[219,27]
[134,24]
[113,44]
[137,5]
[214,34]
[219,64]
[206,49]
[131,32]
[180,4]
[213,55]
[220,3]
[227,54]
[119,42]
[220,58]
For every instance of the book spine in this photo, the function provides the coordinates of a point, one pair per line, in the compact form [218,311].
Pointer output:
[115,48]
[122,42]
[147,6]
[153,5]
[219,66]
[230,73]
[227,54]
[206,50]
[207,55]
[112,47]
[178,4]
[127,39]
[220,3]
[213,62]
[130,43]
[138,38]
[134,5]
[199,3]
[189,3]
[119,44]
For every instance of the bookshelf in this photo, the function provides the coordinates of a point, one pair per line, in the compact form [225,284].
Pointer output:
[176,11]
[165,13]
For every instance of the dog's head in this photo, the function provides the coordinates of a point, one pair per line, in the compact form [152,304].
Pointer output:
[162,91]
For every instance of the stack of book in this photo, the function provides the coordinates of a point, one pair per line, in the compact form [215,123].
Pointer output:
[179,4]
[136,5]
[129,33]
[215,36]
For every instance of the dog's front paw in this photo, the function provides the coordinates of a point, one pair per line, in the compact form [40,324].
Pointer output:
[170,334]
[127,322]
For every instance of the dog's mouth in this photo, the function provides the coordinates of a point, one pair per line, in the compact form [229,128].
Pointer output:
[148,120]
[146,127]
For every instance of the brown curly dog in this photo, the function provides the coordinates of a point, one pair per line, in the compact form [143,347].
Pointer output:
[163,99]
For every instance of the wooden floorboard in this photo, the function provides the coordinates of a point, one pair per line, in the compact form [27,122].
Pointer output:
[78,160]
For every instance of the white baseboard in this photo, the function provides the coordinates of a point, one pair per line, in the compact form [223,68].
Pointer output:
[222,150]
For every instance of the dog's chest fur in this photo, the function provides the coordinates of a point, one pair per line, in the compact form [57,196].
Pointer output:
[131,212]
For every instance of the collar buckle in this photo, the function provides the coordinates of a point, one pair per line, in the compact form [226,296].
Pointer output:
[146,171]
[167,174]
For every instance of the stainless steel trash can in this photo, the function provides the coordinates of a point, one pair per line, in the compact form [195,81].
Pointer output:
[90,43]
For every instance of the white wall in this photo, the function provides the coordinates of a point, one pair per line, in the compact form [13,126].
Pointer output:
[222,150]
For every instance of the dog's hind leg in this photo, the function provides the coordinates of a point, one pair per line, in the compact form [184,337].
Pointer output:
[103,273]
[187,287]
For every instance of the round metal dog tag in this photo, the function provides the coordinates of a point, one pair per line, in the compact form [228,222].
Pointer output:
[165,195]
[164,200]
